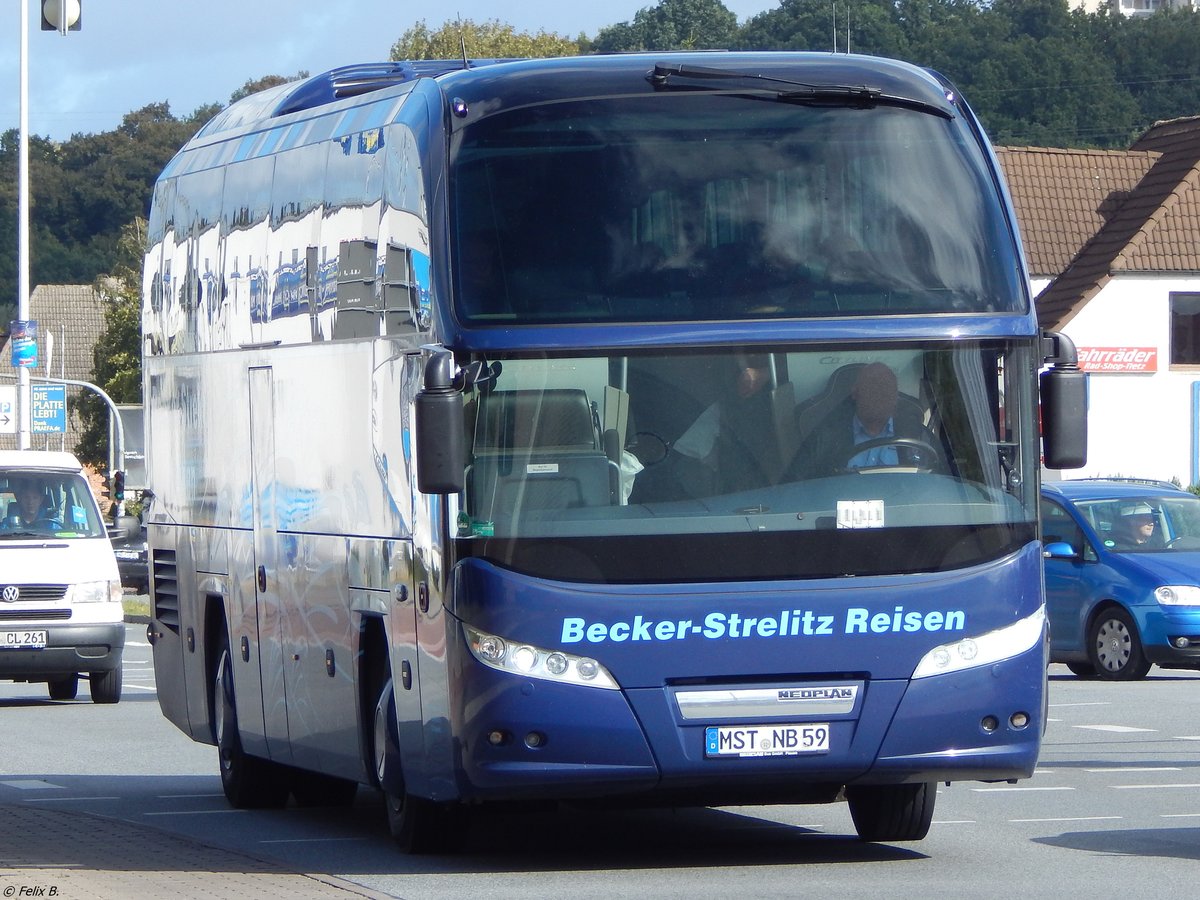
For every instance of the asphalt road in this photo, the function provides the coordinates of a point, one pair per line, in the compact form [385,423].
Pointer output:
[1114,808]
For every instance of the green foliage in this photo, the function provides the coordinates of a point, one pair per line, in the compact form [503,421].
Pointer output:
[83,192]
[117,359]
[255,85]
[673,25]
[483,40]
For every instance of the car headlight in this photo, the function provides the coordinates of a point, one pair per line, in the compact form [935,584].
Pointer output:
[95,592]
[1178,595]
[969,653]
[534,662]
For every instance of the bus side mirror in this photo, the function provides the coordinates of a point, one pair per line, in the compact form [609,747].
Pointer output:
[440,440]
[1064,406]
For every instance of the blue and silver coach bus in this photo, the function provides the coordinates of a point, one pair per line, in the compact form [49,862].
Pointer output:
[638,429]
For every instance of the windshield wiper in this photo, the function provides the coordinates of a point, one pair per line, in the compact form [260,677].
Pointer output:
[801,92]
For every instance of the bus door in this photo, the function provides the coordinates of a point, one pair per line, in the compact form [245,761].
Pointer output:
[272,661]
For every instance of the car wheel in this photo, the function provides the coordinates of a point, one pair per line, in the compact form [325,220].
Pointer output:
[248,781]
[892,812]
[63,688]
[105,686]
[1082,670]
[1115,647]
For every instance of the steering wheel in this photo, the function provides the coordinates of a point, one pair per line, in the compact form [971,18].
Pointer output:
[917,448]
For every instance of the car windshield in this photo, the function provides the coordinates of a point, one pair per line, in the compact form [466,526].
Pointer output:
[47,503]
[1149,523]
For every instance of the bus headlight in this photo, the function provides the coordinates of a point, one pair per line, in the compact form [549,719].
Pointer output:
[972,652]
[534,662]
[1178,595]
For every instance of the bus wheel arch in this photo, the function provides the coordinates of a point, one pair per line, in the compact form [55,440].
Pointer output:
[416,824]
[248,782]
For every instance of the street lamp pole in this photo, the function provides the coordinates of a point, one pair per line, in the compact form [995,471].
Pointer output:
[24,391]
[63,16]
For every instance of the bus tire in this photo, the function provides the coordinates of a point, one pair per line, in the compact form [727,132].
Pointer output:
[63,688]
[249,782]
[105,686]
[892,812]
[417,825]
[1115,647]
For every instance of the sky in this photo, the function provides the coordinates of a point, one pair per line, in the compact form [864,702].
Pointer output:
[131,53]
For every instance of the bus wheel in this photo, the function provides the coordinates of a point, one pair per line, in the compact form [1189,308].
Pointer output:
[63,688]
[416,824]
[892,812]
[1115,648]
[248,781]
[105,686]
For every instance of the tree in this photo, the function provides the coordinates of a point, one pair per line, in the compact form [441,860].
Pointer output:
[261,84]
[673,25]
[117,358]
[484,40]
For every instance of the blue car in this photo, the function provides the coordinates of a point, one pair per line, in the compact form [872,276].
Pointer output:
[1122,562]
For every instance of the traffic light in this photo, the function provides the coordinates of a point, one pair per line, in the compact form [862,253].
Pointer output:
[61,15]
[118,487]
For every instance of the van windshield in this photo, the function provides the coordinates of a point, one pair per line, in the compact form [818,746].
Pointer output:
[702,207]
[1146,524]
[47,503]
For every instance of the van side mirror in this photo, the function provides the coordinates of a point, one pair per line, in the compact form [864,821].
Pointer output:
[1064,405]
[440,439]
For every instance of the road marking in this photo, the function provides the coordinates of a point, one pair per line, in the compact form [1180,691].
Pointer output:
[1070,819]
[1188,737]
[195,812]
[1137,769]
[1088,703]
[1118,729]
[987,790]
[27,784]
[1152,787]
[1180,816]
[67,799]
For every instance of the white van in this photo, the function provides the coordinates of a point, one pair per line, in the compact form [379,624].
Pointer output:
[60,592]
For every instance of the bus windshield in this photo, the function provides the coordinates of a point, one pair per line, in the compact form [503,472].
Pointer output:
[806,462]
[709,207]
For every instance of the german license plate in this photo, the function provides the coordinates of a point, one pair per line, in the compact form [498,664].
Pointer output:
[22,640]
[766,740]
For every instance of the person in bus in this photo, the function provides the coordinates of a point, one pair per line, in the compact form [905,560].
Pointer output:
[731,446]
[31,509]
[870,415]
